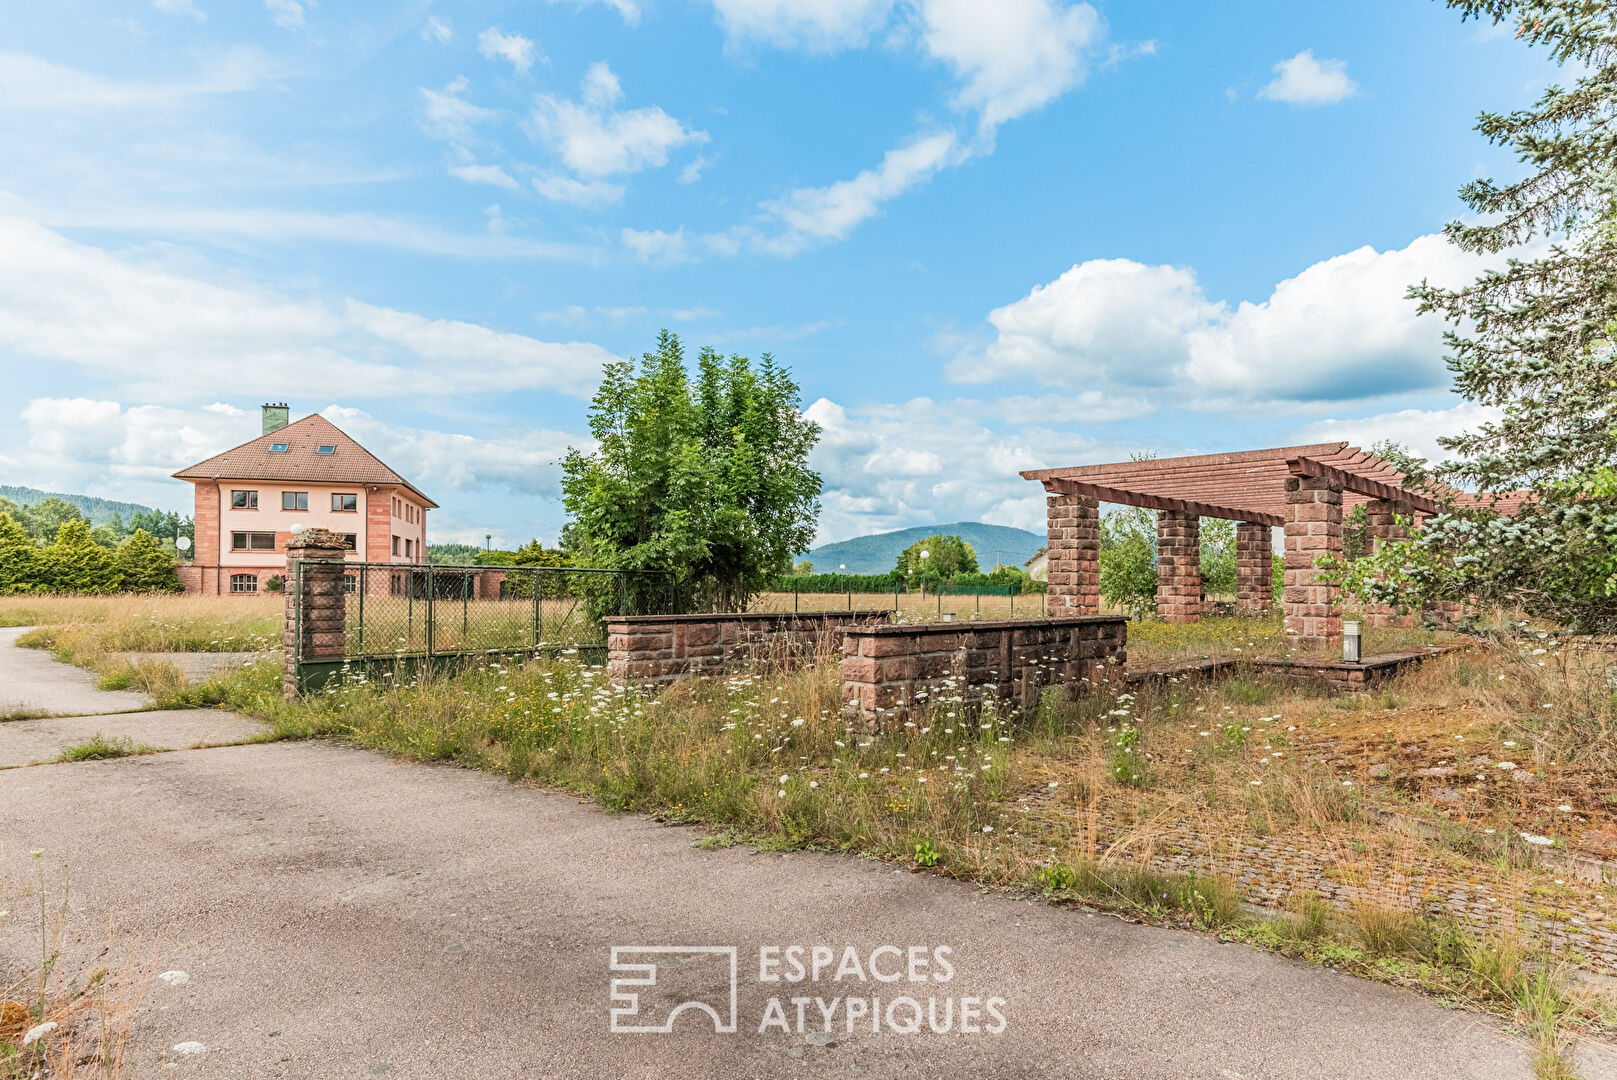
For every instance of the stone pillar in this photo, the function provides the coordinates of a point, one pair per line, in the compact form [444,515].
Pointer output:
[316,606]
[1381,525]
[1179,567]
[1072,551]
[1254,569]
[1313,529]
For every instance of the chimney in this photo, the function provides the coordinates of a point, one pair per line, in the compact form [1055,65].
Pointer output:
[276,416]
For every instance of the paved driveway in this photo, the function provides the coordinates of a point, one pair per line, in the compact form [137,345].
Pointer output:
[344,915]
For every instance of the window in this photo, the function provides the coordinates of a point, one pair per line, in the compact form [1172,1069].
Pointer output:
[344,502]
[294,500]
[395,545]
[407,547]
[243,583]
[349,541]
[325,449]
[252,541]
[244,500]
[277,448]
[350,584]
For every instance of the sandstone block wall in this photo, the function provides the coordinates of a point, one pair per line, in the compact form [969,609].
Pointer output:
[1254,569]
[655,650]
[1072,547]
[1179,567]
[1313,529]
[889,670]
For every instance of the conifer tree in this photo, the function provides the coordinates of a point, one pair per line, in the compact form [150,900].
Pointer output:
[143,565]
[75,563]
[19,558]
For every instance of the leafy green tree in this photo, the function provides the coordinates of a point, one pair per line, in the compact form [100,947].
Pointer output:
[144,566]
[1537,341]
[946,556]
[1128,559]
[75,563]
[20,562]
[708,480]
[45,518]
[1217,556]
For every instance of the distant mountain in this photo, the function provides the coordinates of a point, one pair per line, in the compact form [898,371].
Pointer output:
[98,510]
[876,554]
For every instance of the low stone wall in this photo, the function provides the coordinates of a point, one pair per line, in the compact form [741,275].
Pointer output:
[887,670]
[1337,674]
[657,649]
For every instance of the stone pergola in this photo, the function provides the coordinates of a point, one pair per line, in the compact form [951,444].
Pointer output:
[1301,489]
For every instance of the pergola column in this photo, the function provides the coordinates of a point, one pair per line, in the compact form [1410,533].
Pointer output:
[1179,566]
[1313,529]
[1072,553]
[1381,525]
[1254,569]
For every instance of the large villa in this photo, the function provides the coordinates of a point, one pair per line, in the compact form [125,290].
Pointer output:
[250,497]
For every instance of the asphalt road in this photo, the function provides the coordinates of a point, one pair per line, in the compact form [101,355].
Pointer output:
[31,681]
[343,915]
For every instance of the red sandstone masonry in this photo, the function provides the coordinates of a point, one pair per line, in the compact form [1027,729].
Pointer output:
[888,670]
[1254,569]
[658,649]
[1313,529]
[319,631]
[1072,552]
[1179,567]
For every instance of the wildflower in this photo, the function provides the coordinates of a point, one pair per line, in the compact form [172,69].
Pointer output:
[34,1034]
[1564,808]
[781,793]
[1054,783]
[784,778]
[814,783]
[988,828]
[1507,765]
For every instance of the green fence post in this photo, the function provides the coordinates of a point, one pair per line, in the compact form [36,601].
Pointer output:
[360,649]
[465,610]
[538,582]
[430,602]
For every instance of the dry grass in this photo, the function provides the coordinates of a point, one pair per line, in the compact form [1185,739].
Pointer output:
[53,1024]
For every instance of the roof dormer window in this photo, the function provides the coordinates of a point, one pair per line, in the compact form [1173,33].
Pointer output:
[278,448]
[326,449]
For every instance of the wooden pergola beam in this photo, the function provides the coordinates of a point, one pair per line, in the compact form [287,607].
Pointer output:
[1061,486]
[1305,466]
[1275,456]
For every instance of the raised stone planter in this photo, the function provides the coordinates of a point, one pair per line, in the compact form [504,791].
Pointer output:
[654,650]
[889,670]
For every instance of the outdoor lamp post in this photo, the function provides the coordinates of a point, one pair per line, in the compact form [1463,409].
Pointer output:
[1350,642]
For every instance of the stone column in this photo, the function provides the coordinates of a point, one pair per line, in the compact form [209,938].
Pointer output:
[1313,529]
[1381,525]
[316,606]
[1072,552]
[1179,567]
[1254,569]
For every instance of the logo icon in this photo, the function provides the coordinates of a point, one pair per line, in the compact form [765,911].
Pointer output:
[699,977]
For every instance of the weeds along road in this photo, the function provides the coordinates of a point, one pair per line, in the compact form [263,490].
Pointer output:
[340,914]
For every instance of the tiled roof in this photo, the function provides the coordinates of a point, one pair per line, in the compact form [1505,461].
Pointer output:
[350,464]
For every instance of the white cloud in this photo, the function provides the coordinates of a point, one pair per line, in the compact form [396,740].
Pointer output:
[496,44]
[438,29]
[180,7]
[168,337]
[922,461]
[28,83]
[811,215]
[285,13]
[483,174]
[814,25]
[1415,429]
[1303,80]
[654,245]
[446,115]
[1011,56]
[628,9]
[594,140]
[586,193]
[1339,330]
[692,172]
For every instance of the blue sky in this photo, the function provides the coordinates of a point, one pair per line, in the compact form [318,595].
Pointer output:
[985,237]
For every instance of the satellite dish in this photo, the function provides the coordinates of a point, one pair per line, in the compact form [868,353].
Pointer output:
[298,528]
[183,543]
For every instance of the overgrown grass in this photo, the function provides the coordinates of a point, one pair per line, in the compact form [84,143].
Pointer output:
[1235,637]
[99,748]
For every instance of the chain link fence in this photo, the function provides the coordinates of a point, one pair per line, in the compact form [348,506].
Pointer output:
[394,611]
